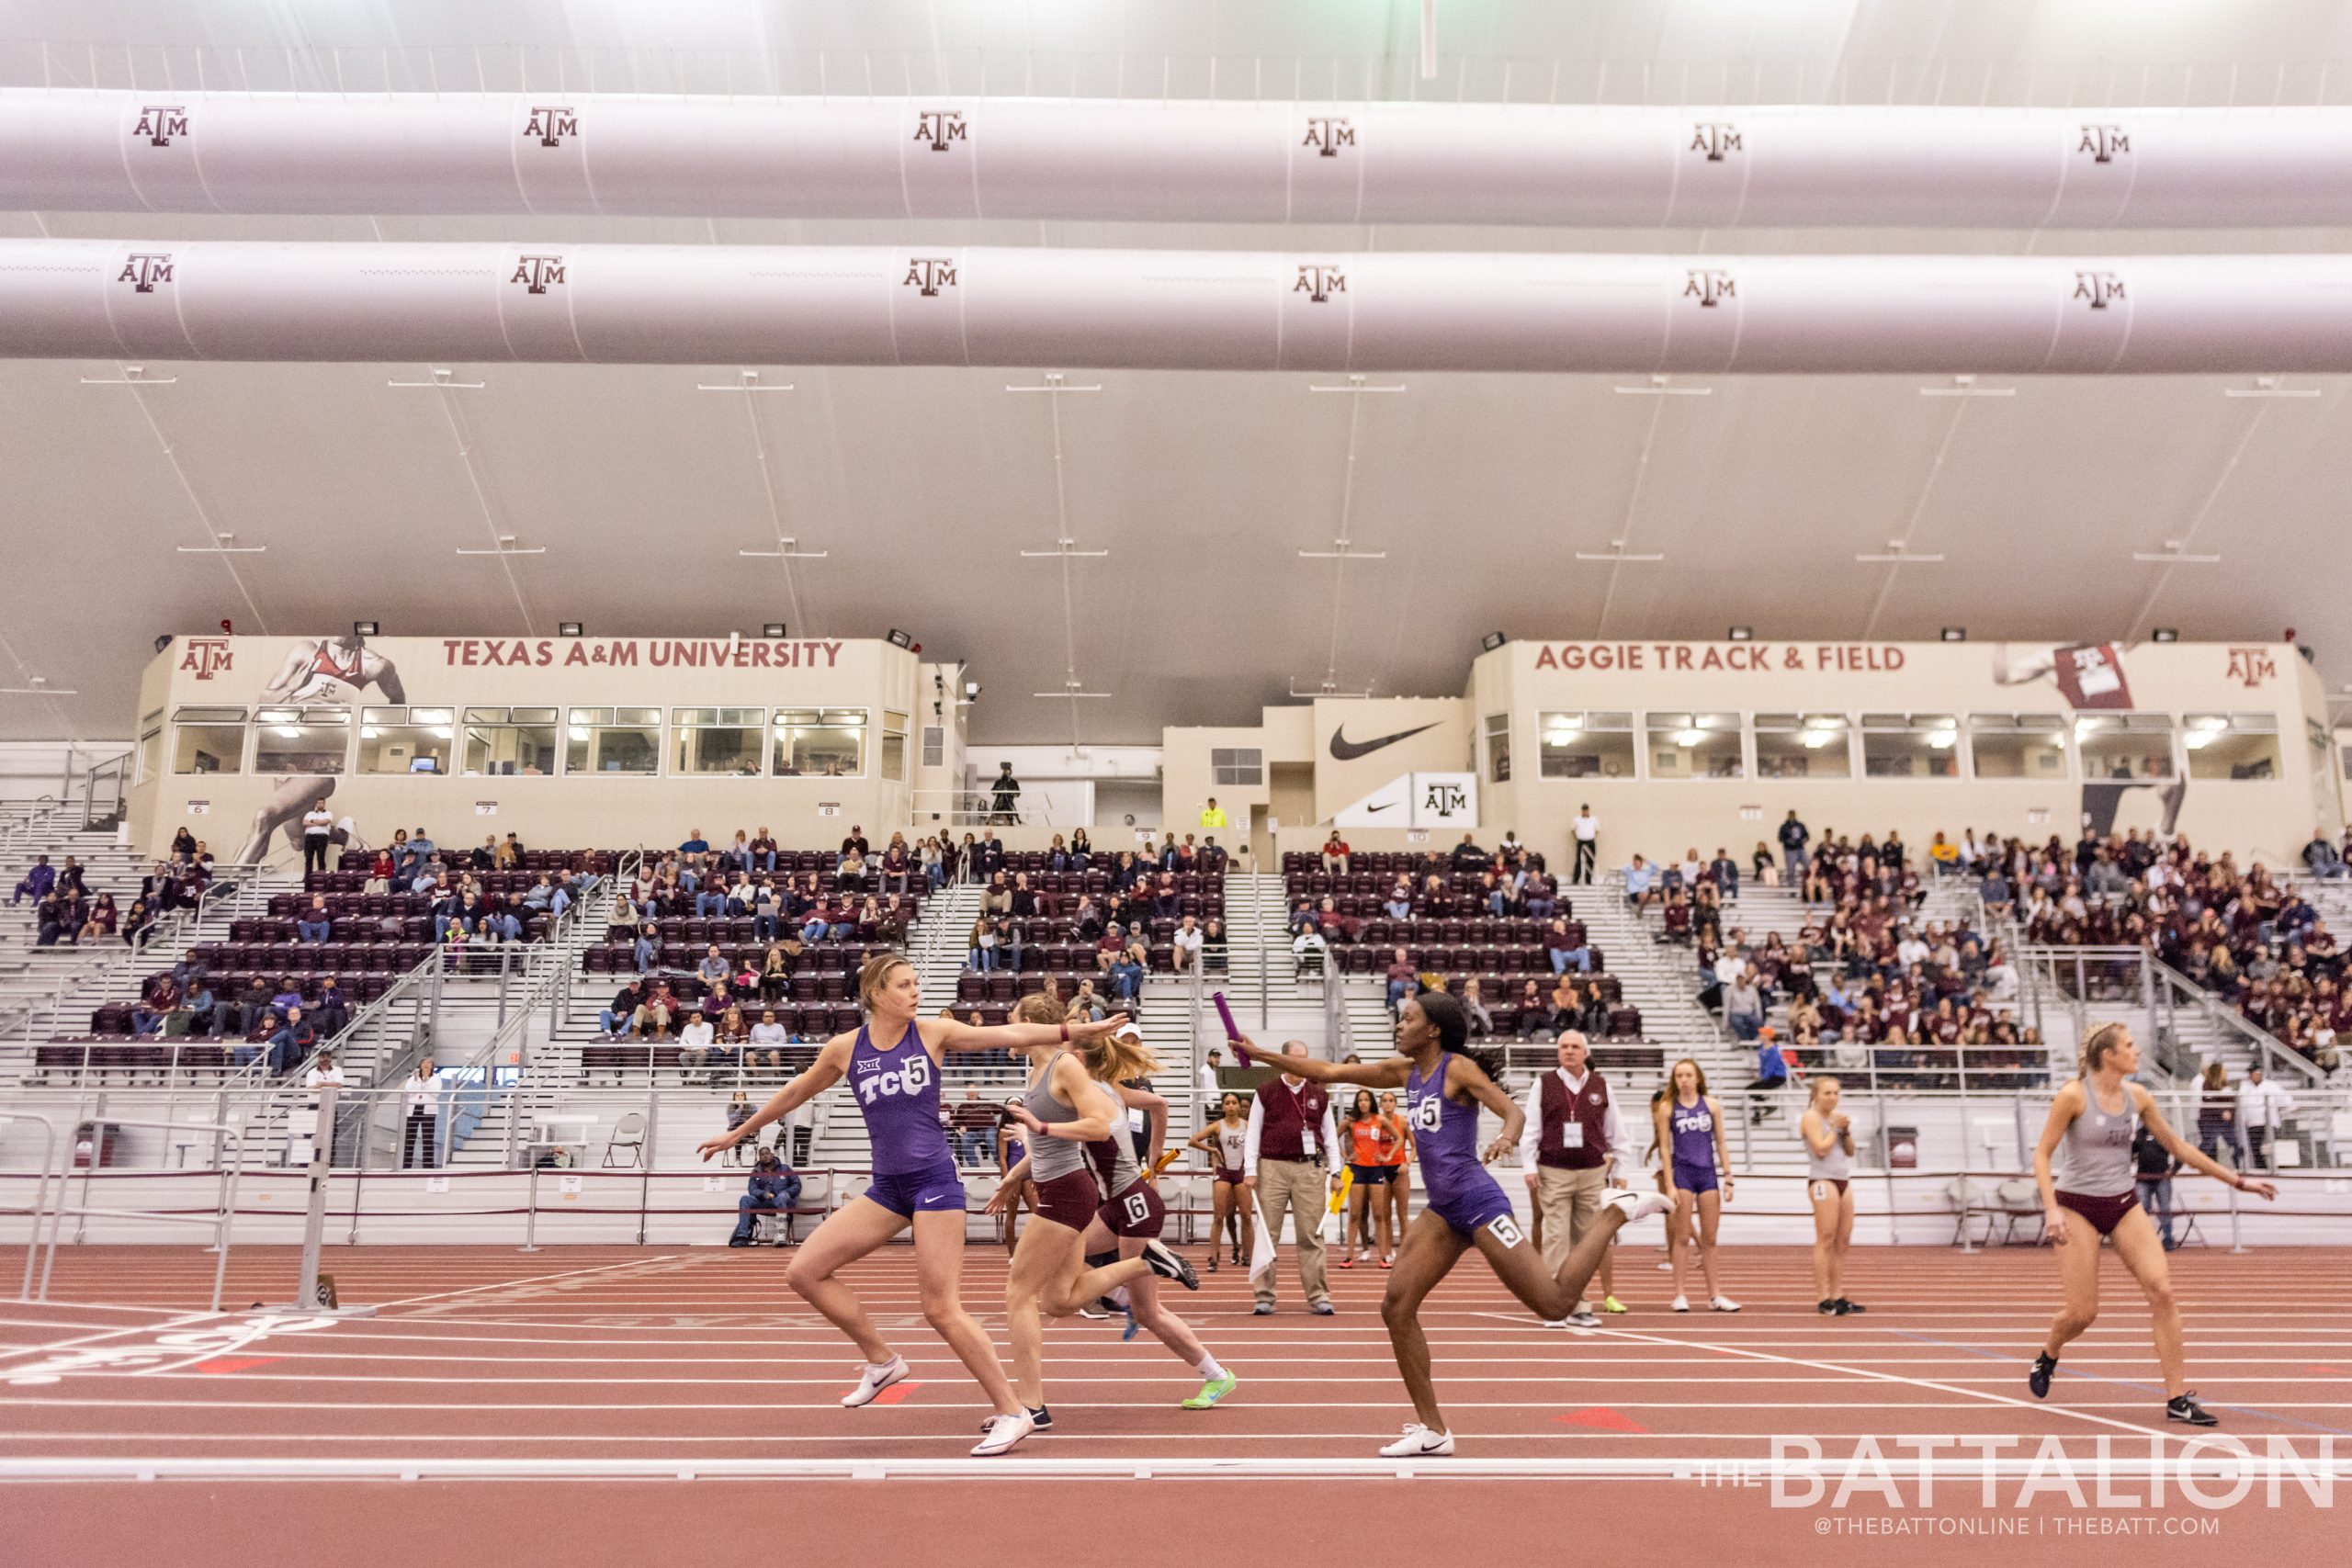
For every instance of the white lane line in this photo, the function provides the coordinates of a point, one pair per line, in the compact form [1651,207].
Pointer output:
[1060,1403]
[526,1279]
[959,1437]
[100,1337]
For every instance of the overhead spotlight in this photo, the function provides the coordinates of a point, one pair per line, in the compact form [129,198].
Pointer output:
[569,628]
[1492,641]
[2168,633]
[363,628]
[1955,634]
[1742,634]
[773,630]
[162,642]
[900,640]
[971,691]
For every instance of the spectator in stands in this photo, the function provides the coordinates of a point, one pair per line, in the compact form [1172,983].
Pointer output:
[1474,1006]
[980,954]
[98,923]
[1794,837]
[697,1043]
[1583,830]
[2321,858]
[2262,1105]
[1004,792]
[162,998]
[1189,940]
[422,847]
[775,1188]
[315,924]
[332,1014]
[1335,854]
[1641,885]
[420,1145]
[486,857]
[1771,1072]
[973,1128]
[1468,857]
[138,923]
[35,883]
[1537,1020]
[619,1019]
[1744,1004]
[694,850]
[291,1042]
[713,967]
[1724,872]
[733,1036]
[656,1012]
[2217,1116]
[765,1048]
[1126,976]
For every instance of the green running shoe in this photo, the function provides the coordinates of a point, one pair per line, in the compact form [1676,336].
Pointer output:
[1211,1391]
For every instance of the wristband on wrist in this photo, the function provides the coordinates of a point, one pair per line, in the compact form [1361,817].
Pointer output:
[1065,1030]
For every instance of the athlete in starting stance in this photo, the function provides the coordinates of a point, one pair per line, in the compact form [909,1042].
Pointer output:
[1444,1086]
[915,1180]
[2091,1124]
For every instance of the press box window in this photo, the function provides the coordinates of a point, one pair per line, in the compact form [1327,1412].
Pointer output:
[1497,728]
[302,741]
[894,746]
[151,747]
[1238,767]
[2231,745]
[2117,747]
[1804,746]
[1695,746]
[1910,746]
[508,741]
[406,740]
[209,740]
[1585,745]
[612,740]
[716,742]
[2018,745]
[827,743]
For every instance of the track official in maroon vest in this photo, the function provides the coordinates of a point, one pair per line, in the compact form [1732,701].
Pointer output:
[1293,1162]
[1571,1141]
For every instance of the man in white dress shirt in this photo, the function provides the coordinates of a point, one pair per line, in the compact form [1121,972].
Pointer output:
[1291,1153]
[1570,1144]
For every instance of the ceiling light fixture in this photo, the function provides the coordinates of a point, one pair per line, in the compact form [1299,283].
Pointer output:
[569,628]
[745,382]
[364,628]
[2168,633]
[442,381]
[1741,634]
[1966,387]
[773,630]
[39,687]
[506,546]
[1955,634]
[2175,553]
[785,549]
[1492,641]
[224,545]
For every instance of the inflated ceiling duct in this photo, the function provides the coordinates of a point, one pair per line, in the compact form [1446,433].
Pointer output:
[1029,158]
[1172,309]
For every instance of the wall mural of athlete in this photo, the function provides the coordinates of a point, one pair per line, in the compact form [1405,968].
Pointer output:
[321,672]
[2090,676]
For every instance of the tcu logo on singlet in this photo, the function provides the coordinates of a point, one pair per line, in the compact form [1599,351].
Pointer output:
[1429,1113]
[913,1078]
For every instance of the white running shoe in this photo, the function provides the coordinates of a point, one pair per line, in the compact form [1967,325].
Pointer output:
[1635,1205]
[1681,1303]
[1583,1320]
[874,1381]
[1420,1442]
[1724,1304]
[1004,1433]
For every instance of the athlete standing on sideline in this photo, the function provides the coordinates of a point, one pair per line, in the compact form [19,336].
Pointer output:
[1444,1086]
[1227,1140]
[1010,1153]
[915,1178]
[1400,1187]
[1829,1153]
[1698,1175]
[1079,1153]
[2091,1124]
[1373,1140]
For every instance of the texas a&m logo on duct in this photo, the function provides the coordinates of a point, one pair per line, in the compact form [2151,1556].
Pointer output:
[1718,139]
[936,128]
[929,275]
[2098,288]
[537,274]
[1709,286]
[206,656]
[2104,142]
[159,122]
[1319,282]
[144,269]
[552,123]
[1327,133]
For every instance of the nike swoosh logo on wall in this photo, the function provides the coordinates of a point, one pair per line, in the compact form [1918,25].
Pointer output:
[1384,805]
[1346,751]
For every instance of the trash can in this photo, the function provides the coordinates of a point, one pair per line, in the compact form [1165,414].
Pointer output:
[1901,1147]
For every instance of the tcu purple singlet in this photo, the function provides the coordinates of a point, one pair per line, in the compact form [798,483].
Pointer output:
[1693,1127]
[897,1089]
[1445,1135]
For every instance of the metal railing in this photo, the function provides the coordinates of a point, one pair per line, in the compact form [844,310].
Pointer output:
[2137,982]
[234,893]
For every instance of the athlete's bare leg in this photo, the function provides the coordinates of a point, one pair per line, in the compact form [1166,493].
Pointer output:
[2142,1250]
[1430,1250]
[1710,1215]
[939,1271]
[2079,1274]
[1520,1268]
[848,1234]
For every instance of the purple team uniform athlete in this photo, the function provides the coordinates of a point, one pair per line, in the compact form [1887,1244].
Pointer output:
[1694,1146]
[1445,1134]
[898,1091]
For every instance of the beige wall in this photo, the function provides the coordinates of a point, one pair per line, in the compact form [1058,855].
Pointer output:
[1662,815]
[567,810]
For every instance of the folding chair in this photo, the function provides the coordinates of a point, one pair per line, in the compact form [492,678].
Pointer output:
[630,1133]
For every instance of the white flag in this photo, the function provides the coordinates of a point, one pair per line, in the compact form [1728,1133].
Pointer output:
[1261,1246]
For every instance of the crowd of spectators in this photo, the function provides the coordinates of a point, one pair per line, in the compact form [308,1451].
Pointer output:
[67,913]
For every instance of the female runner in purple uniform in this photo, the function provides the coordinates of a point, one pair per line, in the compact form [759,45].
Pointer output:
[1690,1124]
[1464,1207]
[915,1180]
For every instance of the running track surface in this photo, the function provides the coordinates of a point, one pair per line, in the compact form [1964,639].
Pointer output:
[561,1362]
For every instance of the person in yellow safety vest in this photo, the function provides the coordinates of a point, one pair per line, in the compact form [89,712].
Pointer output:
[1213,815]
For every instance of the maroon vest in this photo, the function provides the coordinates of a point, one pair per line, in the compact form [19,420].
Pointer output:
[1589,1109]
[1289,1114]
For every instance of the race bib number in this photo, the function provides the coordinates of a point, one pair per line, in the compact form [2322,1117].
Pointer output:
[1429,1114]
[1821,1191]
[1138,1208]
[1572,1135]
[1506,1230]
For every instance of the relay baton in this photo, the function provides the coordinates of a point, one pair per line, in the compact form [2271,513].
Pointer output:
[1232,1029]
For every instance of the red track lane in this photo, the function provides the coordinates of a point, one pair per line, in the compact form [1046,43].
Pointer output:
[702,1355]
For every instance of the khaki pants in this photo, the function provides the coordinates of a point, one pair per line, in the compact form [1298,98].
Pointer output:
[1300,1188]
[1569,1202]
